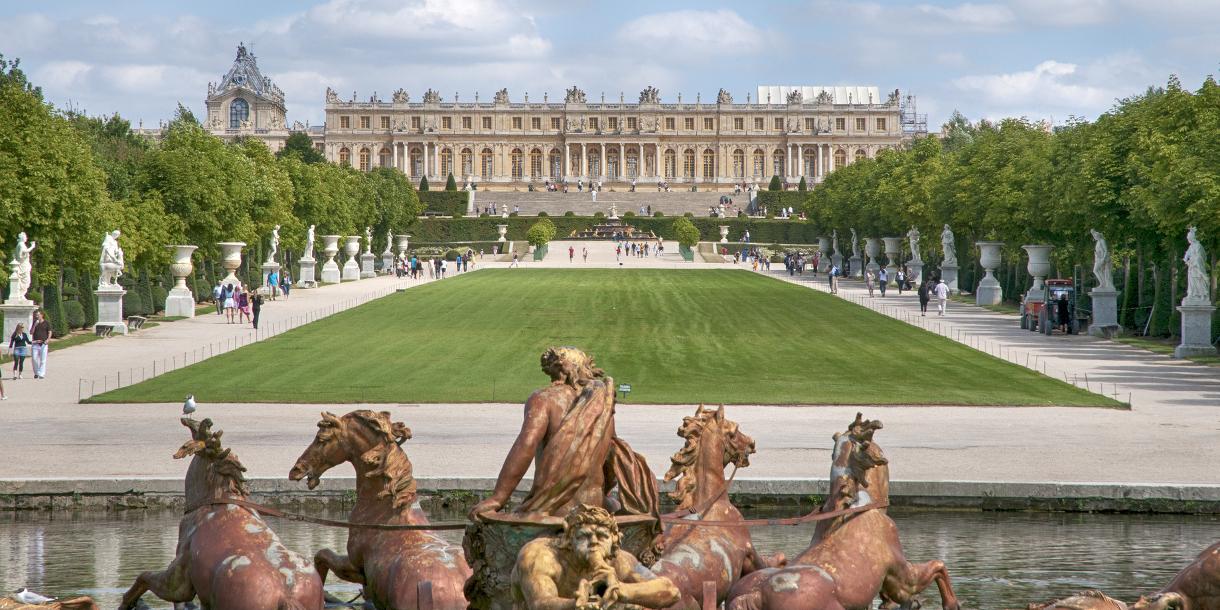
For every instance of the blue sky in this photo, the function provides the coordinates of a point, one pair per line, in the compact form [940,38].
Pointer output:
[1045,59]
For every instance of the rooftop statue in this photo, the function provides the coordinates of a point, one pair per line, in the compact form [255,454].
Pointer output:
[825,97]
[650,95]
[401,96]
[724,97]
[795,96]
[432,97]
[331,96]
[574,96]
[501,96]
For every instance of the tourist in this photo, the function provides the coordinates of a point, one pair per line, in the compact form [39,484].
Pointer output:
[584,253]
[923,299]
[902,278]
[1063,310]
[256,305]
[514,263]
[19,346]
[273,284]
[41,338]
[230,303]
[618,252]
[243,305]
[571,254]
[833,279]
[444,267]
[286,283]
[218,297]
[883,278]
[868,281]
[942,296]
[457,264]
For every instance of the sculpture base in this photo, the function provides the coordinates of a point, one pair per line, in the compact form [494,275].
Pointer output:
[110,309]
[14,314]
[1196,330]
[874,267]
[857,270]
[307,279]
[231,280]
[989,291]
[351,270]
[837,259]
[366,266]
[331,273]
[387,263]
[949,274]
[1105,313]
[180,303]
[916,277]
[891,272]
[824,264]
[266,288]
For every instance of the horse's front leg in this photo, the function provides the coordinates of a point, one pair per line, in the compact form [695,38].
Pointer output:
[908,579]
[326,561]
[171,585]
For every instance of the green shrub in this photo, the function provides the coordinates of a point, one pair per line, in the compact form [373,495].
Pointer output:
[599,215]
[86,299]
[775,185]
[483,215]
[423,184]
[513,214]
[159,296]
[802,187]
[146,293]
[133,304]
[74,313]
[542,213]
[541,233]
[446,202]
[53,309]
[689,215]
[569,213]
[685,232]
[658,214]
[628,214]
[450,183]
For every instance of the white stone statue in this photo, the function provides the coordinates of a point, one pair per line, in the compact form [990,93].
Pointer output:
[946,242]
[834,241]
[23,269]
[389,242]
[503,211]
[855,244]
[913,237]
[368,240]
[1103,268]
[111,261]
[1197,288]
[309,238]
[275,244]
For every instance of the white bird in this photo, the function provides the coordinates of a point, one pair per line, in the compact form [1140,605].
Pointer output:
[27,596]
[188,407]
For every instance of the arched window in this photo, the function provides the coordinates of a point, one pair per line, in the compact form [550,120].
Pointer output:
[777,163]
[860,154]
[688,163]
[383,158]
[840,158]
[760,164]
[671,164]
[594,164]
[739,163]
[417,162]
[345,157]
[612,164]
[556,162]
[364,159]
[709,164]
[516,163]
[446,162]
[535,164]
[486,164]
[239,110]
[811,163]
[633,164]
[467,164]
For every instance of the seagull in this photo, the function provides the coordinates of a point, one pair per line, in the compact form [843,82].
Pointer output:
[188,407]
[27,596]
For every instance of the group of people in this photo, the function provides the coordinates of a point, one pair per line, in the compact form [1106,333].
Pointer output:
[34,343]
[436,267]
[237,304]
[902,278]
[638,249]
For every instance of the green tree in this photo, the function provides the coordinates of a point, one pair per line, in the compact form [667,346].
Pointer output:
[802,187]
[423,184]
[450,183]
[775,184]
[541,233]
[300,144]
[685,232]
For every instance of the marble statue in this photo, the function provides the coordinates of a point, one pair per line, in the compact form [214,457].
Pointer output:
[19,283]
[368,240]
[111,261]
[309,239]
[1103,268]
[913,237]
[855,244]
[946,241]
[275,244]
[1197,281]
[389,242]
[834,241]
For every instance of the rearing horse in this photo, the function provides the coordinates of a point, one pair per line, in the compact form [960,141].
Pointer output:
[389,564]
[226,553]
[694,555]
[852,558]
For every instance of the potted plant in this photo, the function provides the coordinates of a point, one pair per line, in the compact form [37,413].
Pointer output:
[687,235]
[539,236]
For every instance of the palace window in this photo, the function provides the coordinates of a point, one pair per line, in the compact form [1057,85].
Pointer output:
[688,163]
[709,123]
[447,122]
[739,163]
[239,111]
[486,164]
[880,124]
[383,158]
[739,123]
[669,123]
[345,157]
[612,123]
[594,163]
[345,122]
[840,158]
[671,164]
[758,124]
[467,122]
[760,164]
[612,164]
[446,162]
[777,163]
[688,123]
[631,123]
[536,123]
[535,164]
[592,123]
[365,122]
[778,124]
[633,164]
[467,163]
[840,124]
[556,163]
[517,122]
[809,124]
[364,159]
[486,122]
[709,164]
[861,123]
[811,163]
[417,162]
[517,163]
[415,122]
[385,122]
[555,123]
[860,154]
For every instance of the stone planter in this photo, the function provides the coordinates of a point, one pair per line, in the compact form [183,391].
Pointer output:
[893,248]
[824,250]
[1039,266]
[330,269]
[688,255]
[230,259]
[503,229]
[989,291]
[351,268]
[540,252]
[404,242]
[181,301]
[724,234]
[872,249]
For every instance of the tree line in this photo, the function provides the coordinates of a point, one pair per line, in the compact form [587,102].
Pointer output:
[1142,173]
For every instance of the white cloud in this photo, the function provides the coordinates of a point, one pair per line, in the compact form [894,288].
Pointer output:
[692,33]
[1056,88]
[1064,13]
[62,74]
[971,16]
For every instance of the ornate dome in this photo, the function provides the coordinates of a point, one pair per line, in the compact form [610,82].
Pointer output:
[245,74]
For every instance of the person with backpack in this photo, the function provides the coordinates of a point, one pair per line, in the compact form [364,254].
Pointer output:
[923,298]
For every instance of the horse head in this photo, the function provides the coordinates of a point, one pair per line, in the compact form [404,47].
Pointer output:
[1161,601]
[371,442]
[712,442]
[214,472]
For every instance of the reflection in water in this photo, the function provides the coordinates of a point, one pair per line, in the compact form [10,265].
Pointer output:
[997,560]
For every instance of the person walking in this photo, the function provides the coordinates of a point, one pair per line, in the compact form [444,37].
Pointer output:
[514,263]
[868,281]
[256,305]
[923,298]
[286,284]
[19,344]
[273,284]
[230,302]
[243,305]
[40,334]
[584,254]
[834,279]
[571,254]
[1062,308]
[942,296]
[218,294]
[902,278]
[883,279]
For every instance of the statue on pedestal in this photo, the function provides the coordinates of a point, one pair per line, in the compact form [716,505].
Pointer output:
[946,242]
[275,244]
[913,237]
[309,239]
[855,244]
[834,241]
[19,281]
[389,242]
[111,262]
[1103,268]
[1197,281]
[368,240]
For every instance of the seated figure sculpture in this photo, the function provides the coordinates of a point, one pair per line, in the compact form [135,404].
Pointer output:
[585,569]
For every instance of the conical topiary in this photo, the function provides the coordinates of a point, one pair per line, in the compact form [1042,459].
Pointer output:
[87,300]
[423,184]
[775,184]
[450,183]
[53,309]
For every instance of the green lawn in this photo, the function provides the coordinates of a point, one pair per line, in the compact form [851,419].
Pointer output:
[675,336]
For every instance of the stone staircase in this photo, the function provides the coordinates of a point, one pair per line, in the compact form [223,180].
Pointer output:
[555,204]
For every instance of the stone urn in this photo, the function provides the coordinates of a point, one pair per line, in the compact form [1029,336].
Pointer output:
[351,268]
[724,234]
[872,249]
[330,269]
[230,259]
[503,229]
[824,254]
[181,301]
[989,291]
[404,242]
[893,248]
[1039,267]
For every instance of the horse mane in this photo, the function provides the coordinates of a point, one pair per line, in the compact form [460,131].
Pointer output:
[223,467]
[389,461]
[686,460]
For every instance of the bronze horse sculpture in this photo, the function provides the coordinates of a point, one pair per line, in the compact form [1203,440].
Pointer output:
[852,558]
[227,555]
[389,564]
[1196,587]
[694,555]
[75,603]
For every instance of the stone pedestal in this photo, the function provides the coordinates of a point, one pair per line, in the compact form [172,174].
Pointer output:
[989,291]
[892,247]
[1105,313]
[1196,329]
[837,259]
[268,269]
[857,269]
[230,252]
[387,263]
[14,314]
[307,278]
[824,250]
[949,274]
[110,309]
[366,265]
[916,268]
[351,268]
[180,302]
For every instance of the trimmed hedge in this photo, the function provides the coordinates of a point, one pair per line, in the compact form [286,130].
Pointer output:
[447,230]
[773,200]
[447,203]
[74,313]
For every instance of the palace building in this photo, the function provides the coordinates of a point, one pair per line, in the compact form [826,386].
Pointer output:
[790,132]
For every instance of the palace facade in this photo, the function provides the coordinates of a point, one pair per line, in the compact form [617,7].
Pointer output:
[790,132]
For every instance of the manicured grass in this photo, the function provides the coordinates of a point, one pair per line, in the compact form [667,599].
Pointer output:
[675,336]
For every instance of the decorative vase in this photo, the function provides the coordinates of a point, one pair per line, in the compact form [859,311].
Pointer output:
[404,242]
[893,247]
[724,234]
[351,268]
[989,291]
[330,269]
[180,302]
[872,249]
[1039,266]
[503,229]
[230,259]
[824,254]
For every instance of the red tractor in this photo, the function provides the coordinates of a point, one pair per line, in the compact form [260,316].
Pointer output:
[1042,314]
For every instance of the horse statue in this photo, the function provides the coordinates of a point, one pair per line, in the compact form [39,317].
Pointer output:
[1085,600]
[719,554]
[1196,587]
[389,564]
[852,558]
[227,555]
[83,602]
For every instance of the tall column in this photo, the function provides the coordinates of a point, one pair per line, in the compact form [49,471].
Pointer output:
[819,171]
[394,154]
[800,154]
[425,170]
[567,161]
[584,159]
[601,170]
[831,151]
